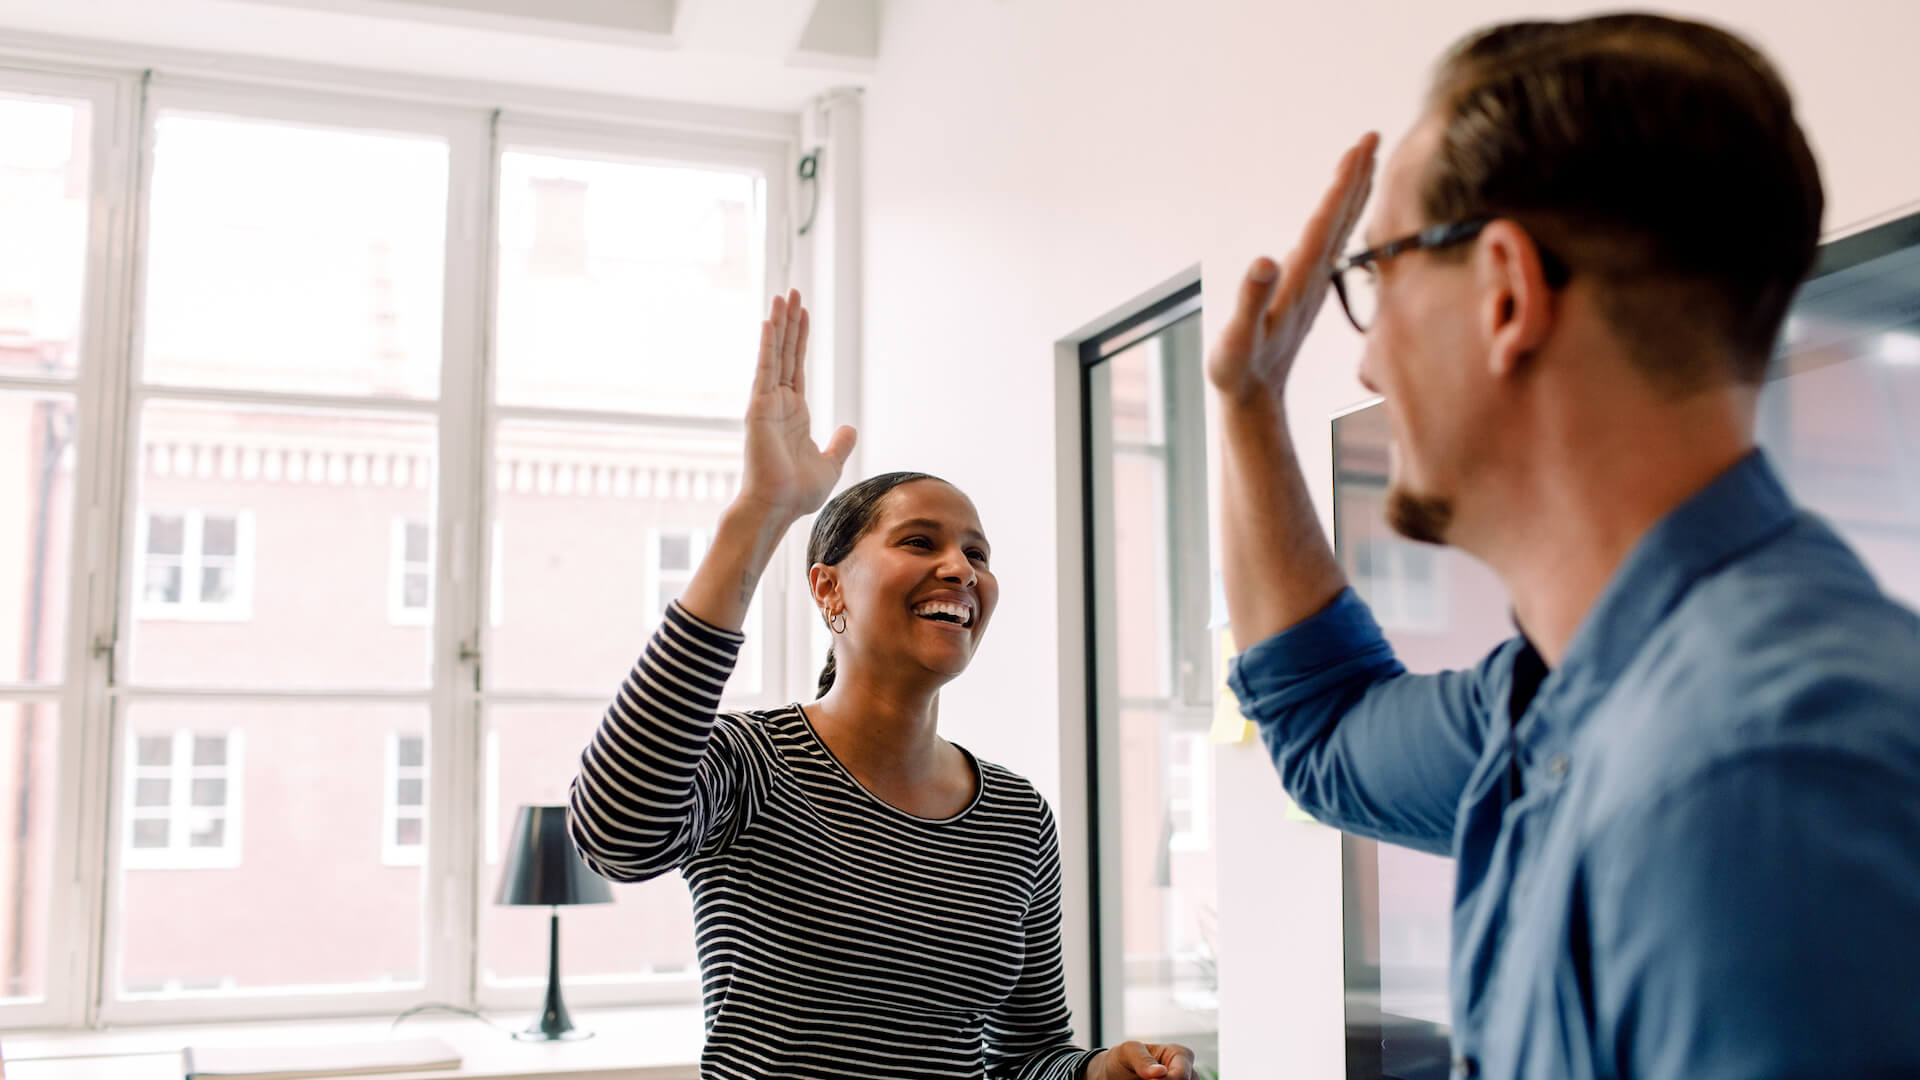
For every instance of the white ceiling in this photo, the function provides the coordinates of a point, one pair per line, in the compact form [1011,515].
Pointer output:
[761,54]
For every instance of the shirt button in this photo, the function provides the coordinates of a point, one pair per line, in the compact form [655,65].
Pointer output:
[1465,1067]
[1558,766]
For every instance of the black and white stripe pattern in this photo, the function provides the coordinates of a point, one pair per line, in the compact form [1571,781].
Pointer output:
[838,936]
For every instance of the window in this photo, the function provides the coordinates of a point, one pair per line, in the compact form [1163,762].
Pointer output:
[195,564]
[410,582]
[1189,792]
[403,820]
[309,395]
[410,574]
[672,556]
[490,838]
[610,484]
[183,800]
[1143,481]
[323,416]
[559,227]
[56,201]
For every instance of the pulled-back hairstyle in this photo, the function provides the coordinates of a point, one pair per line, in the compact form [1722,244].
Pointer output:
[840,525]
[1659,155]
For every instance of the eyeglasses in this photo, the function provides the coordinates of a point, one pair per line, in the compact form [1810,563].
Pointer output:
[1360,292]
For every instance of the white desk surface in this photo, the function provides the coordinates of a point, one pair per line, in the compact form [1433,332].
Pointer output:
[628,1044]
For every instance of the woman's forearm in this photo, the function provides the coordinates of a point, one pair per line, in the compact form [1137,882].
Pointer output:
[742,546]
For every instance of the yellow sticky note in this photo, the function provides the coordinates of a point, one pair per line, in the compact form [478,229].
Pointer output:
[1228,725]
[1231,727]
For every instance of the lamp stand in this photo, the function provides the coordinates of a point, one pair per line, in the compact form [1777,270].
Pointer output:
[553,1023]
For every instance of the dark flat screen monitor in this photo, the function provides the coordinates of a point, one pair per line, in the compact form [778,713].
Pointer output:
[1840,419]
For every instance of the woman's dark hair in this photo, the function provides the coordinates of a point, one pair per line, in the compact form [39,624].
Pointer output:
[840,525]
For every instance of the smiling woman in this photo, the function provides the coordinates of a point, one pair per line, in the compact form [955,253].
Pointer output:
[869,898]
[915,514]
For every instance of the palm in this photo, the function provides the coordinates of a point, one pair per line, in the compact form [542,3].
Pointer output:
[1277,305]
[785,469]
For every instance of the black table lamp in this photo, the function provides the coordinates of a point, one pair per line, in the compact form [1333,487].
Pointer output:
[543,870]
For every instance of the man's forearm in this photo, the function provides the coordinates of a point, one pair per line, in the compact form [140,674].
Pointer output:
[1278,567]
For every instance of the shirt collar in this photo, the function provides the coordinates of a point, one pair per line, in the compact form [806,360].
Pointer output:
[1740,509]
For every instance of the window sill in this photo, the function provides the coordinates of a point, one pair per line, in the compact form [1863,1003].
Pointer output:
[661,1043]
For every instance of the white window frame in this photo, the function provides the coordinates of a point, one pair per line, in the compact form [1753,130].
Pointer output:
[464,133]
[392,852]
[180,773]
[83,839]
[190,607]
[90,846]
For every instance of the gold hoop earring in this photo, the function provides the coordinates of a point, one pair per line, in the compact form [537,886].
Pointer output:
[839,627]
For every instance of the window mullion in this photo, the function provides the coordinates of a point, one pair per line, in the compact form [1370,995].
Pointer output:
[179,792]
[193,534]
[456,566]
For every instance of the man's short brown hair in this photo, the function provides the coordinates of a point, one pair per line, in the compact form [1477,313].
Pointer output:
[1659,155]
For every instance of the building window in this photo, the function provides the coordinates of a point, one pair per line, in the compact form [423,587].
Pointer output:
[671,556]
[1189,792]
[195,564]
[183,800]
[410,573]
[403,821]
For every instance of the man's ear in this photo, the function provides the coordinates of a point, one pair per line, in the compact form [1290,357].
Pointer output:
[1517,309]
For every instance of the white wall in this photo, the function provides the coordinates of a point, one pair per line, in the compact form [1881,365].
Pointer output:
[1033,163]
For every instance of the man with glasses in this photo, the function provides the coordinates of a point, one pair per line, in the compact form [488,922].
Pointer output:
[1684,803]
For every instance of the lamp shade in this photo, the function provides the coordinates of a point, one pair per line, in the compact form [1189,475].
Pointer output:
[543,869]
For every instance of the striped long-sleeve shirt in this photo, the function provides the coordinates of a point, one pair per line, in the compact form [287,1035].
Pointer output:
[838,936]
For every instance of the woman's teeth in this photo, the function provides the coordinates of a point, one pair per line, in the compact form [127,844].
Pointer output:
[945,612]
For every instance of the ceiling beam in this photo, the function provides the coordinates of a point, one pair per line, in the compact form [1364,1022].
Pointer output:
[841,33]
[768,29]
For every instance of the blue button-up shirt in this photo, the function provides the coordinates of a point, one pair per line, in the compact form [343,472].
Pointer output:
[1693,852]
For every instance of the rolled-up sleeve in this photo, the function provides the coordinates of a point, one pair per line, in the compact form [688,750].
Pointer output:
[1359,743]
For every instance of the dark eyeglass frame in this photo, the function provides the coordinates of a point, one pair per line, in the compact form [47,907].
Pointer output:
[1431,238]
[1434,238]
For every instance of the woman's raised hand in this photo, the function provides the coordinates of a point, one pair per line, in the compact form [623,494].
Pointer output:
[786,471]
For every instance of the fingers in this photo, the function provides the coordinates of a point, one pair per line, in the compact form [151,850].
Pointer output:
[766,371]
[1355,177]
[800,358]
[790,338]
[1178,1060]
[1332,222]
[840,447]
[777,319]
[1135,1056]
[1358,193]
[1257,290]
